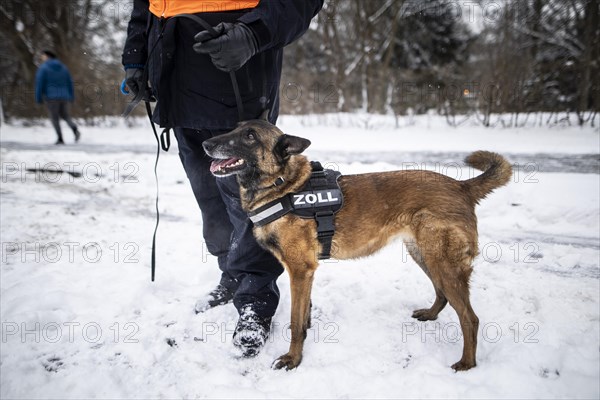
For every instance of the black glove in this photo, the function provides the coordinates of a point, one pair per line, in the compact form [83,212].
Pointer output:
[134,79]
[231,49]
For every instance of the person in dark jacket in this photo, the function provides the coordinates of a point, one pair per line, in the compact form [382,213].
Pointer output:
[188,69]
[54,86]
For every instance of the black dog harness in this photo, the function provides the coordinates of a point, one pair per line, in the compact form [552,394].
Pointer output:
[320,199]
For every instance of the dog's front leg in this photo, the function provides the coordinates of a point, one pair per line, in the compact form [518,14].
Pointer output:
[301,279]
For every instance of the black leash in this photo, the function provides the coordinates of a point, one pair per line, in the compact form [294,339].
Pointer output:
[149,111]
[163,141]
[234,82]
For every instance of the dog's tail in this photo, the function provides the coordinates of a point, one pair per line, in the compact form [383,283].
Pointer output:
[496,172]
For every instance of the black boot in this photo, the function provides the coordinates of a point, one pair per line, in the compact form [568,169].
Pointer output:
[77,134]
[251,332]
[219,296]
[59,141]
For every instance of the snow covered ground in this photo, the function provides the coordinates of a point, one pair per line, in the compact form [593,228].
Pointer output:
[81,319]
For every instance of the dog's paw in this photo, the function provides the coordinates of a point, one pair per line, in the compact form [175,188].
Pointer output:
[463,366]
[287,361]
[424,314]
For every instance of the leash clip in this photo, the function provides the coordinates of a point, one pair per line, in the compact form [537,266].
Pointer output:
[165,139]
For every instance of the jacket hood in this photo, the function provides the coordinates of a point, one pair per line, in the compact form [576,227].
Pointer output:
[54,65]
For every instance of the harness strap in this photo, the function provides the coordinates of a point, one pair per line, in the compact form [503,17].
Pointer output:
[325,232]
[318,179]
[325,219]
[321,183]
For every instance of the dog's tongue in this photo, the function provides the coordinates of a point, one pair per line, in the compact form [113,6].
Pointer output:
[217,164]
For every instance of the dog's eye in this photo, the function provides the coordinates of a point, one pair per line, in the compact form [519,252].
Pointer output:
[250,134]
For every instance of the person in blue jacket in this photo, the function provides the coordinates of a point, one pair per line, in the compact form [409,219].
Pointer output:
[188,69]
[54,86]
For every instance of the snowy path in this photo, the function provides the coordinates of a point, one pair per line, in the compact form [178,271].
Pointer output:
[529,163]
[80,318]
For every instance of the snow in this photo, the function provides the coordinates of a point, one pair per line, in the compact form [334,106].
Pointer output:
[81,319]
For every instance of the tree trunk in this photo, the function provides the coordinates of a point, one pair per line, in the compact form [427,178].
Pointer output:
[590,25]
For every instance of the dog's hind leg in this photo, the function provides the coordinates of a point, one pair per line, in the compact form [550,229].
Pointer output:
[301,279]
[457,293]
[427,314]
[431,314]
[448,255]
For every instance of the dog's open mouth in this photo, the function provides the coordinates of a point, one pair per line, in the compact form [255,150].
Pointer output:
[227,166]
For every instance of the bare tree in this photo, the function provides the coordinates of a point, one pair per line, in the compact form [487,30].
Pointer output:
[79,32]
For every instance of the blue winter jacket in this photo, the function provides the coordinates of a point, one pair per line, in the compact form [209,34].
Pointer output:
[53,82]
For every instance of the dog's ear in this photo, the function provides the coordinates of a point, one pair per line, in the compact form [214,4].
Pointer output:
[288,145]
[265,115]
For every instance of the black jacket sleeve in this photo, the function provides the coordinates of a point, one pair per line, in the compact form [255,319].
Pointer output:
[278,23]
[136,44]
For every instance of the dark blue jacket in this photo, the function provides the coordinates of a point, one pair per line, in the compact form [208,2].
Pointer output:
[53,82]
[191,91]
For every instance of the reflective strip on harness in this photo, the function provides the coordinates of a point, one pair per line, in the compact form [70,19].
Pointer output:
[265,214]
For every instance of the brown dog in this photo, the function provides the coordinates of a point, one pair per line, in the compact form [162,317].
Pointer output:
[433,213]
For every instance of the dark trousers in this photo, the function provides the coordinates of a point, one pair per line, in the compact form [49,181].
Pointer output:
[60,109]
[247,269]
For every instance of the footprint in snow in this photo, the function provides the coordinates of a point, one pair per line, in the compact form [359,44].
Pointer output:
[53,364]
[549,374]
